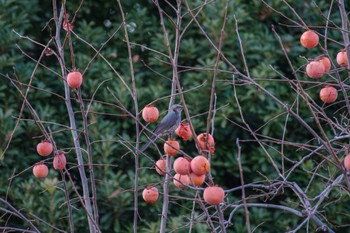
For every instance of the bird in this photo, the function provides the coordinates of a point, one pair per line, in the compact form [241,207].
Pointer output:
[167,125]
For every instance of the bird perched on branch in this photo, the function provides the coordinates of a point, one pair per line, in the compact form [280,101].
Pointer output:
[167,125]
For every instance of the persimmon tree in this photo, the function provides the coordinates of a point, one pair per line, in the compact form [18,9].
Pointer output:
[258,139]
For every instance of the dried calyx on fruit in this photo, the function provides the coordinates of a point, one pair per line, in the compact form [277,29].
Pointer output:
[184,131]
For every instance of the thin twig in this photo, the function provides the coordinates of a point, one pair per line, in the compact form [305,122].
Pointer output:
[247,222]
[20,215]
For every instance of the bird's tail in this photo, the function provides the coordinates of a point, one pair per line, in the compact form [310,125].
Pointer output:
[150,141]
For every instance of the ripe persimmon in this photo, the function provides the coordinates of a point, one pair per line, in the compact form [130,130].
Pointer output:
[150,194]
[181,180]
[326,63]
[309,39]
[328,94]
[200,165]
[196,180]
[184,131]
[171,147]
[161,167]
[40,170]
[182,166]
[150,113]
[347,162]
[74,79]
[59,161]
[206,142]
[213,195]
[315,69]
[342,58]
[44,148]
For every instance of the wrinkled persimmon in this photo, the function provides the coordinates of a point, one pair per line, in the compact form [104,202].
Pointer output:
[184,131]
[206,142]
[67,26]
[59,161]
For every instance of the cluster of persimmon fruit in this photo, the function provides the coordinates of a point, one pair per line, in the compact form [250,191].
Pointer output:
[188,171]
[45,147]
[321,65]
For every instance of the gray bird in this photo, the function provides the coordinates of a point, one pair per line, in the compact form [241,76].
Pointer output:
[167,125]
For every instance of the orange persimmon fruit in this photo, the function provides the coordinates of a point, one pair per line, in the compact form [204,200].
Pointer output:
[171,147]
[40,170]
[328,94]
[315,69]
[150,194]
[150,113]
[200,165]
[182,166]
[59,161]
[74,79]
[309,39]
[342,58]
[161,167]
[44,148]
[213,195]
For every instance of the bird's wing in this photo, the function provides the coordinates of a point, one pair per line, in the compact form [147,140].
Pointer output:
[166,123]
